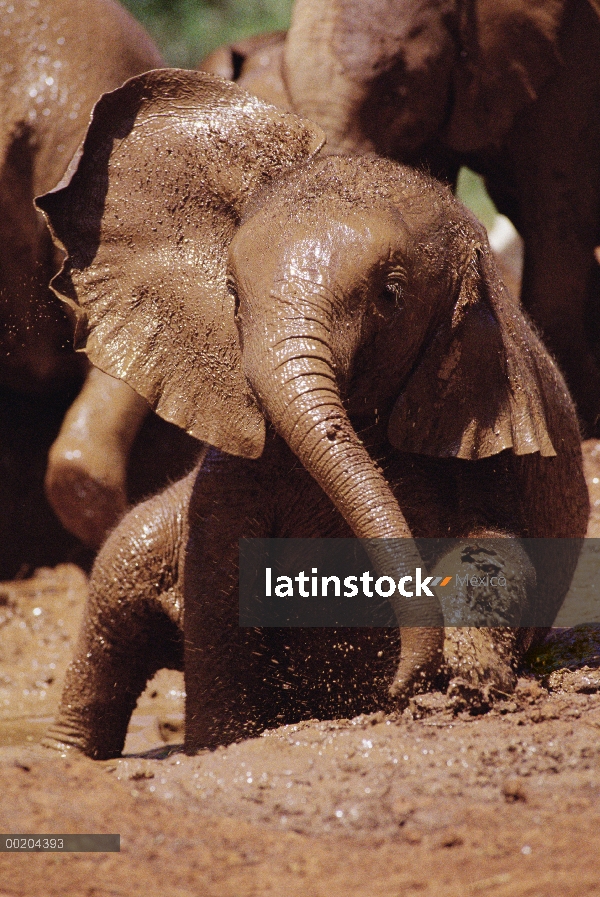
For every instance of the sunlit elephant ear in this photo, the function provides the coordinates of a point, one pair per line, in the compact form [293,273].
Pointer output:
[481,384]
[508,51]
[146,215]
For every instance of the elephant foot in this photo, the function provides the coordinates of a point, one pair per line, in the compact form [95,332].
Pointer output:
[87,465]
[87,495]
[98,731]
[493,581]
[57,740]
[480,659]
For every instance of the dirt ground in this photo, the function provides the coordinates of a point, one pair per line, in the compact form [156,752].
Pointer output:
[432,801]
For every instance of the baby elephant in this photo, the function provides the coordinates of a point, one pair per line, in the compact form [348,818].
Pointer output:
[335,330]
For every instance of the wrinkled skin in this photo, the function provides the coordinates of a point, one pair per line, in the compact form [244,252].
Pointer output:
[323,323]
[506,87]
[57,58]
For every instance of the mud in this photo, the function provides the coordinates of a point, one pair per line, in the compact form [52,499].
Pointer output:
[434,800]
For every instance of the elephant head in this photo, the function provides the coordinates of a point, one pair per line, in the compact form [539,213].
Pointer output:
[232,274]
[401,73]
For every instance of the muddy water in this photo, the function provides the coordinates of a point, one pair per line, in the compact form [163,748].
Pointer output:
[39,620]
[433,801]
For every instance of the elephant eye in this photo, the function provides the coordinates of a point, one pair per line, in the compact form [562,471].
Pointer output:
[392,293]
[232,290]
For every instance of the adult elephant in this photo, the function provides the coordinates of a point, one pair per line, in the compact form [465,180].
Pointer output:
[56,59]
[509,88]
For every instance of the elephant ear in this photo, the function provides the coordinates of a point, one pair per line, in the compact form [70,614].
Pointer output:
[146,214]
[509,48]
[482,384]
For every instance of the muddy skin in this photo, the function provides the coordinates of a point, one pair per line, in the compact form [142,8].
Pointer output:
[510,91]
[30,533]
[255,64]
[358,303]
[439,800]
[107,415]
[501,801]
[239,682]
[152,607]
[60,57]
[57,62]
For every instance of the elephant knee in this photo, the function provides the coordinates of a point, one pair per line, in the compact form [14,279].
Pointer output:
[138,570]
[132,627]
[492,583]
[492,586]
[133,624]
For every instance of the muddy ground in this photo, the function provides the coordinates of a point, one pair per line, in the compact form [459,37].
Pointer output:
[433,801]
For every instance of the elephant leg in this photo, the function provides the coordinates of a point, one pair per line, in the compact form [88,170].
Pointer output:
[228,693]
[483,634]
[86,474]
[493,585]
[554,153]
[132,626]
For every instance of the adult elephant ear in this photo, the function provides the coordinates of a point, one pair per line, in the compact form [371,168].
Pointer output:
[146,213]
[484,381]
[508,50]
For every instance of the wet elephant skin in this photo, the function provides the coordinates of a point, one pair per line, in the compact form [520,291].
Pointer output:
[336,329]
[56,59]
[508,88]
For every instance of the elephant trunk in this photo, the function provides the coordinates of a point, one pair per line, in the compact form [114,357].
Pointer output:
[312,33]
[298,390]
[376,78]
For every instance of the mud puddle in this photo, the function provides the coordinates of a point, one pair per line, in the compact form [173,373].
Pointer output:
[434,800]
[28,730]
[430,802]
[39,621]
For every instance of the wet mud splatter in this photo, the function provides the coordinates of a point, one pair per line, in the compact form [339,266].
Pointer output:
[433,800]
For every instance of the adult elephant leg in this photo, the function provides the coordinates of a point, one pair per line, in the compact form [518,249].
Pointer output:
[555,151]
[132,626]
[87,464]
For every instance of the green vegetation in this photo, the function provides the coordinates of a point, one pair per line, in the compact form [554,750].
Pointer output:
[566,649]
[187,30]
[471,190]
